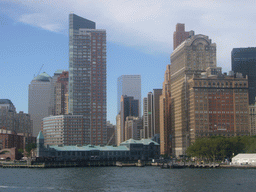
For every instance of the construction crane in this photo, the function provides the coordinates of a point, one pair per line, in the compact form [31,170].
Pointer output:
[111,138]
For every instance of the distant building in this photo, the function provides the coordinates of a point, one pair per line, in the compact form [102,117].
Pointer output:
[129,107]
[151,121]
[118,129]
[165,116]
[39,96]
[133,125]
[244,61]
[9,139]
[10,120]
[244,159]
[129,85]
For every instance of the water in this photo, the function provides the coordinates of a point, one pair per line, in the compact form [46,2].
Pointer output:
[127,179]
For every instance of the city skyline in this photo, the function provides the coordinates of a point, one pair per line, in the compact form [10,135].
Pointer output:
[29,39]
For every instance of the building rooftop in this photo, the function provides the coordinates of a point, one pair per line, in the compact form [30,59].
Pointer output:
[5,101]
[88,148]
[40,135]
[42,77]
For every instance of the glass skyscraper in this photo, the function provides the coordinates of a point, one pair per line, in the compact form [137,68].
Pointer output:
[87,78]
[244,61]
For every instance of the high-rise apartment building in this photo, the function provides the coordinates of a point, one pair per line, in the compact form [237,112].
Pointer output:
[87,77]
[244,61]
[39,96]
[129,85]
[252,116]
[179,35]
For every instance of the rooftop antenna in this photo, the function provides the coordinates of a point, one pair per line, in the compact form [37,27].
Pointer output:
[40,70]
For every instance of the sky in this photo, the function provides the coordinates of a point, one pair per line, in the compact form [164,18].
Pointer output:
[139,38]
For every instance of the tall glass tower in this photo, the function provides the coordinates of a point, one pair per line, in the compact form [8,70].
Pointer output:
[129,85]
[87,77]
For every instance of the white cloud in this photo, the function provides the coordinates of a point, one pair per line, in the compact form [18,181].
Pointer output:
[148,25]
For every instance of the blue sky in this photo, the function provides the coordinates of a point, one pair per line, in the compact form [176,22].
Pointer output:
[139,38]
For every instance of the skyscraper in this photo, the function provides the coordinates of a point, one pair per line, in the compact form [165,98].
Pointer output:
[129,85]
[244,61]
[87,77]
[39,105]
[193,56]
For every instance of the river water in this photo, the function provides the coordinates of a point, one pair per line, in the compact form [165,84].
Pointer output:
[127,179]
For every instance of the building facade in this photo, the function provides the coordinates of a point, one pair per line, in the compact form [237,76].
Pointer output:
[218,105]
[87,76]
[244,61]
[193,56]
[39,96]
[65,130]
[129,85]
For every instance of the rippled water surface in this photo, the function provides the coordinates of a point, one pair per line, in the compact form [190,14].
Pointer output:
[127,179]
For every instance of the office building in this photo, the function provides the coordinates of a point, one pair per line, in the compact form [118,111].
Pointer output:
[87,76]
[244,61]
[129,85]
[192,56]
[39,105]
[218,105]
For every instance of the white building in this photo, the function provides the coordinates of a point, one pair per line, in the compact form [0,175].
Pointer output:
[39,100]
[244,159]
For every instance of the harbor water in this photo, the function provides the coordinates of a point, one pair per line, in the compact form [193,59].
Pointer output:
[126,179]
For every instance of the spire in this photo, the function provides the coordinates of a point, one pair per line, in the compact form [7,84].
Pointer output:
[40,135]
